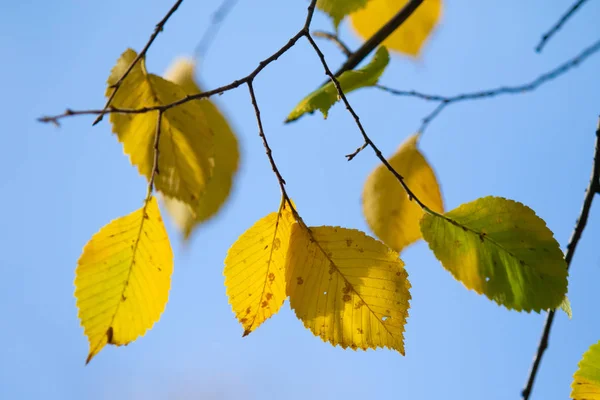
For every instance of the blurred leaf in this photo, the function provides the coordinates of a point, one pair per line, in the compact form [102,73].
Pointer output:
[226,156]
[392,216]
[586,381]
[410,36]
[323,98]
[500,248]
[186,144]
[123,278]
[338,9]
[347,288]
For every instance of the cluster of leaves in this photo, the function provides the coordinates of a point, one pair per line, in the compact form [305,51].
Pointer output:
[348,288]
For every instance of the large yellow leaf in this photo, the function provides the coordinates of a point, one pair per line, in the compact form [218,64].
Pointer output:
[392,216]
[255,269]
[347,288]
[586,381]
[338,9]
[186,142]
[410,36]
[123,278]
[500,248]
[326,96]
[226,156]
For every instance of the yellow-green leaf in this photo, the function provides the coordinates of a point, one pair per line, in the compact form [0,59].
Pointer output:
[338,9]
[410,36]
[123,278]
[186,143]
[347,288]
[226,156]
[323,98]
[255,269]
[500,248]
[392,216]
[586,381]
[566,307]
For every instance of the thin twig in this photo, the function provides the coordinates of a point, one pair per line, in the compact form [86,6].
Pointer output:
[158,29]
[556,27]
[335,39]
[155,170]
[210,33]
[592,189]
[54,119]
[367,139]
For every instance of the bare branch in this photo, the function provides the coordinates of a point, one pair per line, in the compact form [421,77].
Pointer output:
[210,33]
[592,189]
[559,24]
[156,154]
[367,139]
[335,39]
[158,29]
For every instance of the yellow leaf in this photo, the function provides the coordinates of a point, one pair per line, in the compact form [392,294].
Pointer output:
[410,36]
[255,269]
[500,248]
[123,278]
[586,380]
[347,288]
[338,9]
[392,216]
[226,156]
[186,142]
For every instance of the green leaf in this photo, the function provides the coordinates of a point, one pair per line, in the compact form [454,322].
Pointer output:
[500,248]
[566,307]
[586,380]
[323,98]
[338,9]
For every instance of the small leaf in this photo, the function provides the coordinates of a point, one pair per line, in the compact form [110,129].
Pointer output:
[392,216]
[347,288]
[123,278]
[586,381]
[338,9]
[566,307]
[323,98]
[410,36]
[186,142]
[226,156]
[255,269]
[500,248]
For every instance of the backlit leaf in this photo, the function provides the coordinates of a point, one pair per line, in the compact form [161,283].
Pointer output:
[226,156]
[186,143]
[255,269]
[123,278]
[347,288]
[323,98]
[500,248]
[392,216]
[566,307]
[338,9]
[410,36]
[586,381]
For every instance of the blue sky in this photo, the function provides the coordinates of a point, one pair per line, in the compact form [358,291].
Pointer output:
[61,185]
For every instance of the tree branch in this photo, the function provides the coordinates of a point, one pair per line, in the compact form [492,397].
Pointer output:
[335,39]
[592,189]
[556,27]
[216,21]
[158,29]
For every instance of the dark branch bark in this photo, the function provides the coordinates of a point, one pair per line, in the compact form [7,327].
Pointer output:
[559,24]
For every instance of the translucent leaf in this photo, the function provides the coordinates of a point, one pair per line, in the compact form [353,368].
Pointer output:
[410,36]
[186,142]
[338,9]
[586,381]
[255,269]
[226,156]
[500,248]
[123,278]
[566,307]
[323,98]
[347,288]
[392,216]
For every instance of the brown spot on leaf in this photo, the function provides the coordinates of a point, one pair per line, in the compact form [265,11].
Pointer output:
[347,288]
[109,335]
[331,269]
[246,332]
[123,298]
[264,304]
[276,244]
[299,280]
[269,296]
[359,330]
[353,346]
[361,250]
[266,247]
[271,277]
[244,320]
[348,242]
[482,236]
[346,298]
[359,304]
[248,310]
